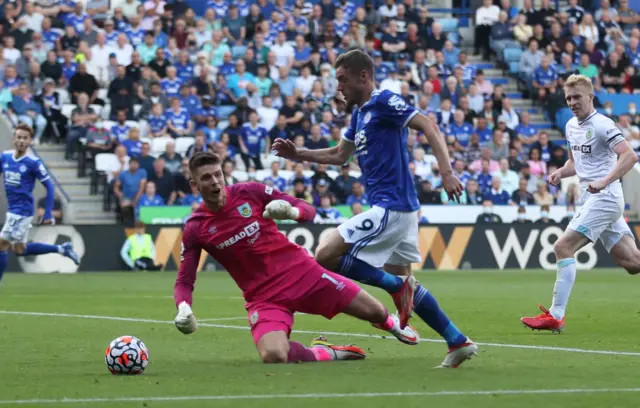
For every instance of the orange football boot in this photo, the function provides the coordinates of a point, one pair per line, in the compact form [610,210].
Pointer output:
[544,321]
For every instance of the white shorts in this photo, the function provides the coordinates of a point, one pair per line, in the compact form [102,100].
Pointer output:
[601,218]
[16,228]
[381,236]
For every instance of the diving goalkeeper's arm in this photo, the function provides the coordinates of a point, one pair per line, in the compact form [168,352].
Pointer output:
[183,290]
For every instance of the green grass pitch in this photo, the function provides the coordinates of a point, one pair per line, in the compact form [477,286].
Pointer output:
[56,352]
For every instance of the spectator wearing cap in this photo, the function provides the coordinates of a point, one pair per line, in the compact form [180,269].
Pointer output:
[321,189]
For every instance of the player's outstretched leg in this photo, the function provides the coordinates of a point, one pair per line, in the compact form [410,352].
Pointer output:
[38,248]
[366,307]
[565,248]
[275,347]
[332,253]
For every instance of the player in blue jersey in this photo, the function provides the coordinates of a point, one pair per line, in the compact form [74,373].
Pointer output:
[387,234]
[21,169]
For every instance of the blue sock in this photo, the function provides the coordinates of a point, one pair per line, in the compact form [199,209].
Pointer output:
[362,272]
[37,248]
[426,306]
[3,262]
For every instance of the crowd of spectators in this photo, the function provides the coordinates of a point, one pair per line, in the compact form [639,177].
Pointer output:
[152,83]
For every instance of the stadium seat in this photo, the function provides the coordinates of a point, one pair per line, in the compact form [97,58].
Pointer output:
[106,111]
[103,163]
[108,124]
[64,96]
[103,93]
[240,175]
[159,144]
[183,143]
[514,68]
[133,124]
[136,109]
[512,54]
[67,109]
[97,109]
[449,25]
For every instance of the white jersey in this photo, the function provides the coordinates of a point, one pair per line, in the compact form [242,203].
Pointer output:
[592,141]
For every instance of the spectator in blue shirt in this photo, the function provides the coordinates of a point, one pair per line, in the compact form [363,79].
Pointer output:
[460,172]
[357,195]
[157,121]
[171,84]
[194,199]
[484,133]
[120,130]
[544,78]
[184,68]
[77,18]
[484,177]
[279,183]
[253,138]
[524,131]
[496,194]
[460,129]
[150,198]
[179,120]
[129,187]
[228,66]
[287,84]
[325,214]
[189,101]
[133,143]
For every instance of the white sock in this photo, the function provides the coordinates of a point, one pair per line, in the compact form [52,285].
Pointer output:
[562,290]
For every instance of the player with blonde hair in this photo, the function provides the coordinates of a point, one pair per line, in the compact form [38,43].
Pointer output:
[600,156]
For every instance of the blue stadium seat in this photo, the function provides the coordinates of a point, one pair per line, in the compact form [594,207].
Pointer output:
[512,54]
[498,81]
[514,67]
[619,101]
[449,25]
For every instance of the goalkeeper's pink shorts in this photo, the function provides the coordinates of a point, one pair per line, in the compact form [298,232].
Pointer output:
[323,293]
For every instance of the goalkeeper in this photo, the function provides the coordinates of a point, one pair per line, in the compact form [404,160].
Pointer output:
[278,278]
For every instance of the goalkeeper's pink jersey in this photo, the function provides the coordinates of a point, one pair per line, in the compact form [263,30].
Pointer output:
[262,261]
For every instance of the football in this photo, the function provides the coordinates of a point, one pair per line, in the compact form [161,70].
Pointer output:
[126,355]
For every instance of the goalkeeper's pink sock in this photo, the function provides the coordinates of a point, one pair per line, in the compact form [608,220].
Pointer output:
[301,354]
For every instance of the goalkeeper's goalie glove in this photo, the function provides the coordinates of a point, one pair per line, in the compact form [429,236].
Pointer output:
[185,320]
[280,210]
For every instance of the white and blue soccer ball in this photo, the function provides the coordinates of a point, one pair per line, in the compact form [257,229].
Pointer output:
[126,355]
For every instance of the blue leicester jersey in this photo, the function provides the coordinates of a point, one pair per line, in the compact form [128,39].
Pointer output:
[19,180]
[378,129]
[253,138]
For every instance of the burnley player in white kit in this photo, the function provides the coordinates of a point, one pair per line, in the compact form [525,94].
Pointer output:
[600,156]
[386,236]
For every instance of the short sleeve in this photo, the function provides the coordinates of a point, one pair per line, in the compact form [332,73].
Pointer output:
[391,108]
[41,171]
[608,132]
[350,134]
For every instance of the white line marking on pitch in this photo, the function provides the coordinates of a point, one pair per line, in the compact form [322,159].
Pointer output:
[327,396]
[375,336]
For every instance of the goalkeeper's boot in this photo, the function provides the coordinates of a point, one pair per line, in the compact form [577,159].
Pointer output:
[348,352]
[409,335]
[459,354]
[68,251]
[403,299]
[544,321]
